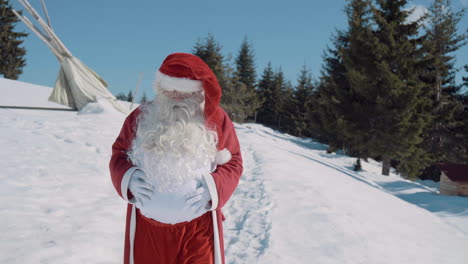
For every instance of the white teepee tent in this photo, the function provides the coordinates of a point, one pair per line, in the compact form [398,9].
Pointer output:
[76,84]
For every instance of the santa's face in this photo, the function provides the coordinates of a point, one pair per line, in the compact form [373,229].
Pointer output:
[178,96]
[173,106]
[172,142]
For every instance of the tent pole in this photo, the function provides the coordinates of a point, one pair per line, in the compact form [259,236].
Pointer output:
[36,16]
[54,37]
[44,38]
[49,31]
[136,90]
[46,13]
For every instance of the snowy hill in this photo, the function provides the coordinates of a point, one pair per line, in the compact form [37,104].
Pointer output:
[16,93]
[294,204]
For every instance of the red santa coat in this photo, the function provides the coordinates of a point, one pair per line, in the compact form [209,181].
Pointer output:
[221,183]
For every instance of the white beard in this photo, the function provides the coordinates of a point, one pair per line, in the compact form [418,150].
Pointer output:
[172,145]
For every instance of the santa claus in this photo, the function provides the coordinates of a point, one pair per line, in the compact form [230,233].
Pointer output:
[176,162]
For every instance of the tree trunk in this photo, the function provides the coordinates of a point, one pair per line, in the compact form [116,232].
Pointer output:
[385,165]
[438,85]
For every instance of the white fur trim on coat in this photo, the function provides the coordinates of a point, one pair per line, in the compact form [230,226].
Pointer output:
[169,83]
[223,156]
[132,232]
[210,183]
[217,244]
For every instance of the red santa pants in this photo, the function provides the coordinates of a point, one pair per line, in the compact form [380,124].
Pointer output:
[182,243]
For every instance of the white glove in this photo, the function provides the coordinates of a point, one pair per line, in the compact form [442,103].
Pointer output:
[198,201]
[140,187]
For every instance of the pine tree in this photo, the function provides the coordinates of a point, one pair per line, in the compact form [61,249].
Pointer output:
[268,111]
[288,106]
[236,97]
[442,41]
[465,111]
[130,96]
[325,115]
[402,104]
[278,104]
[303,99]
[209,50]
[121,96]
[357,99]
[245,65]
[238,101]
[12,55]
[465,79]
[144,98]
[245,74]
[442,138]
[280,93]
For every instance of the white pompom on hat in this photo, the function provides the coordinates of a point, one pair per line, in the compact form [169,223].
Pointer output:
[223,156]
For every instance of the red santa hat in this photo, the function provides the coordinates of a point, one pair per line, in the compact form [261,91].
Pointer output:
[185,72]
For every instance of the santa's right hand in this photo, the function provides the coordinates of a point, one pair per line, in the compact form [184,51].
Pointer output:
[140,187]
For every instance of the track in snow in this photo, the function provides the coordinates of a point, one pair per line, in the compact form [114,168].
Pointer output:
[248,225]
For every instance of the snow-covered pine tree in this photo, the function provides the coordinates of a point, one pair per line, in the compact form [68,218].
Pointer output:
[12,54]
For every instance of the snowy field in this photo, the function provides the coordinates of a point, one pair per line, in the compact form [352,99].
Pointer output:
[294,203]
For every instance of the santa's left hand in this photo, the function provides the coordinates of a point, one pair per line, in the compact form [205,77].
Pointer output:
[198,201]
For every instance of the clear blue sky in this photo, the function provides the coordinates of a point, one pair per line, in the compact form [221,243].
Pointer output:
[119,39]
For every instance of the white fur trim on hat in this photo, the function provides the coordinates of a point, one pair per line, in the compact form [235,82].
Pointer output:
[223,156]
[169,83]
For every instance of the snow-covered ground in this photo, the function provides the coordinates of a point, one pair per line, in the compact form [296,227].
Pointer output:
[16,93]
[294,203]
